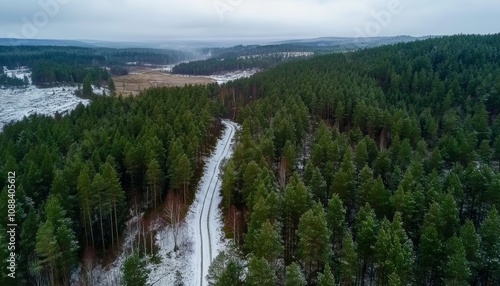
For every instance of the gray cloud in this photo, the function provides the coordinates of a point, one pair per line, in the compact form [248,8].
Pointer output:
[163,19]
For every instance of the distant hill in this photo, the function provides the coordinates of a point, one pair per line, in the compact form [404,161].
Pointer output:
[351,42]
[42,42]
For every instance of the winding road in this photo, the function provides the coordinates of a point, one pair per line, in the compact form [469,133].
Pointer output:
[207,224]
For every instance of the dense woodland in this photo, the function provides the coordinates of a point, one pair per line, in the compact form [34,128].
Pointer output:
[265,56]
[219,65]
[70,65]
[377,167]
[14,56]
[317,45]
[78,176]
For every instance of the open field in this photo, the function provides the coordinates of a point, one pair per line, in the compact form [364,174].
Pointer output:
[142,79]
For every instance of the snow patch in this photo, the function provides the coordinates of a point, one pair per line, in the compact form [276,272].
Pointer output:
[226,77]
[18,103]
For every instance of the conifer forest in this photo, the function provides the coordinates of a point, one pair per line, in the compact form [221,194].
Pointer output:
[379,166]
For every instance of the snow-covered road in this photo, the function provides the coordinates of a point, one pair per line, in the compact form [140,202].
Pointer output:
[205,217]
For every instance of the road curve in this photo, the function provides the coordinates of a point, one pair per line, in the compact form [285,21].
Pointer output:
[206,205]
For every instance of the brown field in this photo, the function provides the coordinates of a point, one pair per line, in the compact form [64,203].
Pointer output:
[141,79]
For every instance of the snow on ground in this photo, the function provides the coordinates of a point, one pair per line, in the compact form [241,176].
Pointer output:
[205,217]
[200,238]
[20,102]
[165,68]
[226,77]
[99,90]
[19,73]
[15,103]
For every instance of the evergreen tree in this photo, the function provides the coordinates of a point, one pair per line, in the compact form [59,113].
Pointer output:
[314,240]
[489,234]
[267,243]
[260,273]
[134,271]
[111,86]
[326,278]
[457,270]
[226,269]
[349,260]
[87,86]
[294,276]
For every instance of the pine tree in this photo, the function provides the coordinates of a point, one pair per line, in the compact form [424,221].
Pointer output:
[365,226]
[154,177]
[86,203]
[381,253]
[228,184]
[114,195]
[314,240]
[449,216]
[47,249]
[430,253]
[267,243]
[111,86]
[226,269]
[318,186]
[87,86]
[134,271]
[489,234]
[260,273]
[56,242]
[456,270]
[470,241]
[349,260]
[336,222]
[296,201]
[103,206]
[294,276]
[326,278]
[361,155]
[182,174]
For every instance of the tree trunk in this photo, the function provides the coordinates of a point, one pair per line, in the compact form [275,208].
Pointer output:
[116,221]
[102,228]
[91,230]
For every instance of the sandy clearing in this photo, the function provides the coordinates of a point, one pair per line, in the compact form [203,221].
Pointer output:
[139,80]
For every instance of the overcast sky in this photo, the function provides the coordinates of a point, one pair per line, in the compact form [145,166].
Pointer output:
[139,20]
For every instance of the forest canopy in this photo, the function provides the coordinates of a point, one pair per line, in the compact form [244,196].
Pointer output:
[373,167]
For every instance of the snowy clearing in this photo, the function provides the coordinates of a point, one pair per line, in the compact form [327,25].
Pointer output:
[17,103]
[226,77]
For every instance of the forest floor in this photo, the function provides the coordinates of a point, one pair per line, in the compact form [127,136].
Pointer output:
[140,79]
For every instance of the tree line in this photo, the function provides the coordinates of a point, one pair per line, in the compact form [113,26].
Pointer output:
[219,65]
[14,56]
